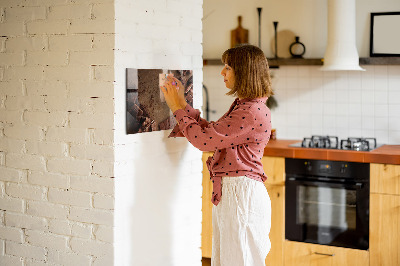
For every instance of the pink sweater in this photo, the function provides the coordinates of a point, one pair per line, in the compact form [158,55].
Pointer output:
[238,139]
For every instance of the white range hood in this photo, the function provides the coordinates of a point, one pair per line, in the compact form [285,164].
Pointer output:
[341,51]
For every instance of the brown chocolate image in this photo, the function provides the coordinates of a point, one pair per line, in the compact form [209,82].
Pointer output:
[146,109]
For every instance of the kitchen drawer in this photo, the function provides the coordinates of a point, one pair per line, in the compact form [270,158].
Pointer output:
[305,254]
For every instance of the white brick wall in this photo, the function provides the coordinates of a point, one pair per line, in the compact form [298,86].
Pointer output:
[56,132]
[158,180]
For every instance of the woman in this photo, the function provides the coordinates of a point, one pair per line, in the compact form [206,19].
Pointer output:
[242,208]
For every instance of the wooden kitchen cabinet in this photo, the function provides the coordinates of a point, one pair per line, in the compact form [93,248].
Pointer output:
[274,168]
[206,225]
[384,237]
[305,254]
[385,178]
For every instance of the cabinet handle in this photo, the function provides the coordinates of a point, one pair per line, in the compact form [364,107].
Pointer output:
[325,254]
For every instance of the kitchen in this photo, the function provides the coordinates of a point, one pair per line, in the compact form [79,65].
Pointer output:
[312,104]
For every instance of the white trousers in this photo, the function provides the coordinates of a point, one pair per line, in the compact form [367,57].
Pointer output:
[241,223]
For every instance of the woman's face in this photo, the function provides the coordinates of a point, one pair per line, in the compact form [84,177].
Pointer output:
[229,76]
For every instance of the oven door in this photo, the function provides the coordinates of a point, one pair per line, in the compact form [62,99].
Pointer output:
[327,213]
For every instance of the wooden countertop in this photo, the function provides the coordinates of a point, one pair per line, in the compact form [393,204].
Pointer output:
[389,154]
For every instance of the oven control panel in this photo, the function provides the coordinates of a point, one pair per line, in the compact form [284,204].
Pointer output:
[336,169]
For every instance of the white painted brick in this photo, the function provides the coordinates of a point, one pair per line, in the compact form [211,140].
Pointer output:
[91,247]
[104,169]
[82,230]
[25,250]
[25,103]
[97,105]
[25,191]
[101,136]
[70,42]
[91,89]
[46,88]
[91,26]
[11,88]
[46,2]
[193,49]
[46,209]
[81,73]
[24,132]
[68,258]
[24,13]
[69,197]
[92,152]
[47,58]
[103,41]
[12,234]
[2,222]
[12,204]
[56,103]
[48,179]
[103,11]
[25,221]
[98,120]
[2,158]
[70,166]
[21,43]
[46,118]
[12,145]
[31,262]
[103,202]
[93,184]
[46,27]
[69,12]
[25,161]
[190,22]
[47,240]
[60,227]
[74,135]
[97,57]
[56,149]
[12,29]
[8,260]
[11,117]
[95,216]
[104,73]
[104,233]
[11,59]
[3,44]
[105,260]
[24,73]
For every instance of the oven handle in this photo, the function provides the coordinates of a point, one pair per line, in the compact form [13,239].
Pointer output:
[357,185]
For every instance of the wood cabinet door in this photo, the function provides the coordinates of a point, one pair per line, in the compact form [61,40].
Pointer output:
[305,254]
[384,236]
[274,168]
[206,225]
[277,233]
[385,178]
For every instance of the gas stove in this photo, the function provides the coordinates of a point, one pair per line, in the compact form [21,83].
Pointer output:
[332,142]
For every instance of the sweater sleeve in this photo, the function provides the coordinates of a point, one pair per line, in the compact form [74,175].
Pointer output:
[231,130]
[193,113]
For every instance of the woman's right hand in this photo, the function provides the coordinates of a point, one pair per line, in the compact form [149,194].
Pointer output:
[181,91]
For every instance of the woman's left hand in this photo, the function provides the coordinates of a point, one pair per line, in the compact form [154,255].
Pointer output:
[169,89]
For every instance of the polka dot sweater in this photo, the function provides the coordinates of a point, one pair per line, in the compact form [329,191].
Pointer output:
[238,139]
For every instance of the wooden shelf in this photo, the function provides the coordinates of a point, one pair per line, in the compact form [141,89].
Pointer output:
[274,63]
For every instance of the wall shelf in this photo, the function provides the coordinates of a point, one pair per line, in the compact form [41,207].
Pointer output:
[274,63]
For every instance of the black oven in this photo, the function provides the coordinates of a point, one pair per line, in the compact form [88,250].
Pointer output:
[327,202]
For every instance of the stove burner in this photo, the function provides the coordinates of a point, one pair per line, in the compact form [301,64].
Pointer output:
[328,142]
[358,144]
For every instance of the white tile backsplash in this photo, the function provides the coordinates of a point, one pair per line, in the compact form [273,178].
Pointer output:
[343,103]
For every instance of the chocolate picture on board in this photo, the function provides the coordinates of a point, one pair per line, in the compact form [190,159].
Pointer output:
[146,109]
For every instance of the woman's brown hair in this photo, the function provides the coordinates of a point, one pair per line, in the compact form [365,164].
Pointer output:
[250,66]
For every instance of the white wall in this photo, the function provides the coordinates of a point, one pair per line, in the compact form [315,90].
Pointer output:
[344,103]
[305,18]
[56,132]
[158,180]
